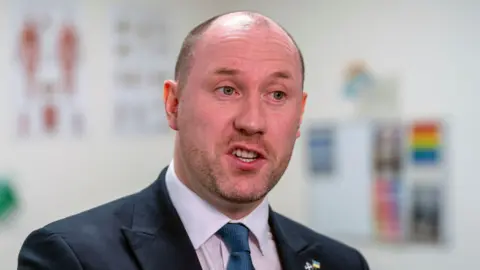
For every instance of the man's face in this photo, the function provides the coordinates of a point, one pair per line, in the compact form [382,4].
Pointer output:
[239,112]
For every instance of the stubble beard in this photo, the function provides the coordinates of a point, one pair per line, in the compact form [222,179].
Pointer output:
[208,172]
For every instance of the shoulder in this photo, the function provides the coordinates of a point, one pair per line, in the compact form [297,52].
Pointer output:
[71,241]
[309,235]
[96,219]
[336,252]
[89,229]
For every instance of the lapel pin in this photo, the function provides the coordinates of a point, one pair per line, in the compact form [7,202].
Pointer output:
[313,265]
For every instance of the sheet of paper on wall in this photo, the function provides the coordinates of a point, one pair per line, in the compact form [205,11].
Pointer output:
[46,75]
[427,151]
[321,149]
[427,216]
[141,64]
[380,101]
[388,185]
[340,204]
[427,144]
[357,79]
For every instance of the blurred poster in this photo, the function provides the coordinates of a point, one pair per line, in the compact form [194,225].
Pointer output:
[425,143]
[358,80]
[321,144]
[426,214]
[388,186]
[140,66]
[46,69]
[388,142]
[373,95]
[388,203]
[381,101]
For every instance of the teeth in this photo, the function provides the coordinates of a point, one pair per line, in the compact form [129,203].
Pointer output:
[245,155]
[247,159]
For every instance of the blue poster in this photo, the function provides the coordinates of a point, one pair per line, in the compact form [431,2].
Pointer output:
[321,145]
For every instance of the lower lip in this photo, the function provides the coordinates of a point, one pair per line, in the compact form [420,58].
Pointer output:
[246,166]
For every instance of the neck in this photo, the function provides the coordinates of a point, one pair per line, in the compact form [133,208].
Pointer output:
[235,211]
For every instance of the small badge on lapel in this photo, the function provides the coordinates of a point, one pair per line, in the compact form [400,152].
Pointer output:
[312,265]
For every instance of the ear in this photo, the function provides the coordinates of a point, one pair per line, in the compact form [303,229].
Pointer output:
[170,98]
[304,101]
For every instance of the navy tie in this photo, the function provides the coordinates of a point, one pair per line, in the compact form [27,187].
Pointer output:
[235,237]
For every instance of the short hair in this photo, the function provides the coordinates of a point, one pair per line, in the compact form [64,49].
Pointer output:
[185,56]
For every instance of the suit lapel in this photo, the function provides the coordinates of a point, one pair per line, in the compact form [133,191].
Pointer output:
[155,252]
[294,251]
[157,236]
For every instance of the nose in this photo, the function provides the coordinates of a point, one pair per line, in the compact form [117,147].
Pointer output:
[251,118]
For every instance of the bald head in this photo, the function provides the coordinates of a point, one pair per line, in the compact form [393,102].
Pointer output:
[232,21]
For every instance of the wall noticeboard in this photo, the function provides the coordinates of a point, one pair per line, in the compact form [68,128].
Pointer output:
[388,182]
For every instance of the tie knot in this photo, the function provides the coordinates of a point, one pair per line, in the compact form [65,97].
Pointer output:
[235,237]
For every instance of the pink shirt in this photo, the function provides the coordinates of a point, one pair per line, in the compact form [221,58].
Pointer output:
[202,221]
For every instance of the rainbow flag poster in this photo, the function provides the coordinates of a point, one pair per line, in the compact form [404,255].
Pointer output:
[425,143]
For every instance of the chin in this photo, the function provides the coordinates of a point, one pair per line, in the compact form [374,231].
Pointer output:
[244,186]
[242,198]
[244,189]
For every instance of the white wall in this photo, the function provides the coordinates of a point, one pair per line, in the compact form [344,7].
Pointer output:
[434,48]
[431,46]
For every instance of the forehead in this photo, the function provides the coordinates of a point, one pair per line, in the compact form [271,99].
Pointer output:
[247,46]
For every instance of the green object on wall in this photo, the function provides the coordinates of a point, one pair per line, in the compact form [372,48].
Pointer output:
[8,201]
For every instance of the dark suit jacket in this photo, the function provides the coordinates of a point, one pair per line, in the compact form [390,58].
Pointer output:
[144,231]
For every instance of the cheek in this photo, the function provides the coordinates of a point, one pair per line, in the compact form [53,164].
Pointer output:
[283,133]
[205,123]
[193,120]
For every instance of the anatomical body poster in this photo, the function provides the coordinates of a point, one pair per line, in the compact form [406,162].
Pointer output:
[46,71]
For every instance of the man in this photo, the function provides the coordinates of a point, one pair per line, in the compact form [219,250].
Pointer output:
[236,104]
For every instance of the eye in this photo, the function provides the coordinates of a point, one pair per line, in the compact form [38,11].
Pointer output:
[278,95]
[227,90]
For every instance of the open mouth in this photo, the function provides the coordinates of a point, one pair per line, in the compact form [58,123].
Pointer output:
[247,156]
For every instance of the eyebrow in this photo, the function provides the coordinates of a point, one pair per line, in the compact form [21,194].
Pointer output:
[233,72]
[281,75]
[227,71]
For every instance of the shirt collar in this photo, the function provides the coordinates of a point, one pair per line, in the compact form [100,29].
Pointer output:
[211,219]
